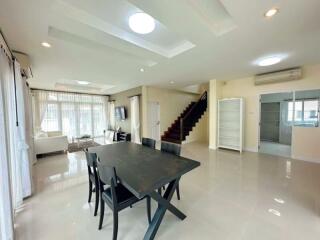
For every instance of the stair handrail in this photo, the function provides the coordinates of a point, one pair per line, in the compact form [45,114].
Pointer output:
[182,119]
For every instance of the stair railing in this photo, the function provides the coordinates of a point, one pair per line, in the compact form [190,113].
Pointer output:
[183,120]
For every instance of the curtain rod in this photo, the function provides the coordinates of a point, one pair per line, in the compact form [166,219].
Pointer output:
[47,90]
[14,73]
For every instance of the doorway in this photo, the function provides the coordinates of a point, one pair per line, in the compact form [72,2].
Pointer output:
[270,122]
[275,127]
[154,120]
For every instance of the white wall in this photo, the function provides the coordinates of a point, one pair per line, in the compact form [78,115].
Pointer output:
[199,132]
[214,94]
[121,99]
[306,143]
[172,103]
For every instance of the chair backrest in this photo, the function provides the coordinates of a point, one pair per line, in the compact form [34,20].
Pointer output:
[171,148]
[107,174]
[149,142]
[91,158]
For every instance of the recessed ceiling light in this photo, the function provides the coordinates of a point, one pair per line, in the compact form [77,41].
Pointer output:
[141,70]
[45,44]
[141,23]
[171,82]
[268,61]
[83,82]
[270,13]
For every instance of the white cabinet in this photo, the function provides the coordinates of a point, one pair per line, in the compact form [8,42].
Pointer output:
[230,123]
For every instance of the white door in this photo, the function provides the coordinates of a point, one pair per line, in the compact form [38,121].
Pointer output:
[154,120]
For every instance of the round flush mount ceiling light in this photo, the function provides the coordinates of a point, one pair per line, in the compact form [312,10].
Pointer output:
[83,82]
[141,70]
[268,61]
[141,23]
[45,44]
[270,13]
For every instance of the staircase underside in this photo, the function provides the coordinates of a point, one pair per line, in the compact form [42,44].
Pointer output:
[190,116]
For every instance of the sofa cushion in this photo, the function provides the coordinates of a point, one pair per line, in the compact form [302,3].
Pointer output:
[41,134]
[54,133]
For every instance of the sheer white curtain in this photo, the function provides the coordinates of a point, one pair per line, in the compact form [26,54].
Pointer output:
[73,114]
[18,142]
[40,107]
[6,216]
[111,114]
[135,119]
[16,168]
[22,140]
[29,121]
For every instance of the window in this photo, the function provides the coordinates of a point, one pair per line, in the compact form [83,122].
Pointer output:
[85,119]
[305,112]
[73,114]
[310,113]
[50,121]
[290,111]
[298,111]
[69,119]
[98,119]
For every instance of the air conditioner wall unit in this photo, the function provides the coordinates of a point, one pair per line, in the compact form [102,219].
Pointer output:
[279,76]
[25,63]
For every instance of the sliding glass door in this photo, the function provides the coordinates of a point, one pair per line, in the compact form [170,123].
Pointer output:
[277,113]
[73,114]
[69,119]
[85,119]
[51,119]
[99,122]
[280,113]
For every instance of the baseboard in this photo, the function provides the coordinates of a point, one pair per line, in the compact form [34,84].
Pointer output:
[306,159]
[212,147]
[248,149]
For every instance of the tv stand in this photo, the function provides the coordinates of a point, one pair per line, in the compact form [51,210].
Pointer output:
[122,137]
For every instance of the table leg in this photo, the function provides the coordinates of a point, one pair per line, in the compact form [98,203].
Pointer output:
[164,205]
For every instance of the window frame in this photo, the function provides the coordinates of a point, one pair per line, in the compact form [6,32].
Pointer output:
[294,121]
[91,102]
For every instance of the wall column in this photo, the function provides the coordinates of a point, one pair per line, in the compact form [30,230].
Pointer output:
[144,108]
[214,95]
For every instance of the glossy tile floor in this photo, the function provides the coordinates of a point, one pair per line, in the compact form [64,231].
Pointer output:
[275,149]
[231,196]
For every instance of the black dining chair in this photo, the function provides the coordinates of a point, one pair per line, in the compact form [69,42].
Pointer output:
[93,178]
[115,195]
[173,149]
[151,143]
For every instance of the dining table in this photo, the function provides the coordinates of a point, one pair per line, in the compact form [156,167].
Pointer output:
[143,171]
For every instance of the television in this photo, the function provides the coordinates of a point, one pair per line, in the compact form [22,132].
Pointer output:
[120,113]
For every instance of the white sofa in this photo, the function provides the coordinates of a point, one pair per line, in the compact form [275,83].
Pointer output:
[49,142]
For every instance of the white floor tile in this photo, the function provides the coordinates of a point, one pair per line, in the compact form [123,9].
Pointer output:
[231,196]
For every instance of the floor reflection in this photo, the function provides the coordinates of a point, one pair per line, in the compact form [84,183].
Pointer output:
[245,196]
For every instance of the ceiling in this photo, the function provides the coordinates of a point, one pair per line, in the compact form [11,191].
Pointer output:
[194,40]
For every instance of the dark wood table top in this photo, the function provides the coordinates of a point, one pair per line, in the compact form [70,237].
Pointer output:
[142,169]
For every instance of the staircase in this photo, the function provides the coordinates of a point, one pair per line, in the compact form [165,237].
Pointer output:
[186,121]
